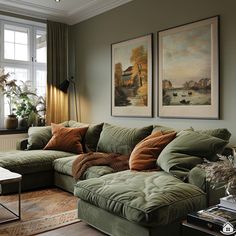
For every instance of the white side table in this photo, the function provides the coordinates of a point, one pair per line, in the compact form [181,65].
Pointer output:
[7,177]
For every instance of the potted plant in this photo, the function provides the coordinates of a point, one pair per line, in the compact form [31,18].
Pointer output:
[29,107]
[8,88]
[23,102]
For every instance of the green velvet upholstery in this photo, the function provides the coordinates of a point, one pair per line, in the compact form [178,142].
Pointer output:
[163,129]
[64,166]
[92,135]
[218,133]
[187,150]
[197,176]
[25,162]
[115,139]
[96,172]
[146,198]
[117,226]
[38,137]
[65,182]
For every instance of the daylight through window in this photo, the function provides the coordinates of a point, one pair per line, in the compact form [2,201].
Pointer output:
[23,49]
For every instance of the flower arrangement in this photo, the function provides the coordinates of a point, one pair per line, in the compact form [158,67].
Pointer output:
[222,171]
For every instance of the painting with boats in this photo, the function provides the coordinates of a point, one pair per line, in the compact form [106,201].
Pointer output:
[188,70]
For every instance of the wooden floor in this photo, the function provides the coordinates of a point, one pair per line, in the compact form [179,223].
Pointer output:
[78,229]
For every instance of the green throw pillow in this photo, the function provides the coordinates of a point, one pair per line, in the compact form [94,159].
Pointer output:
[76,124]
[187,150]
[166,129]
[218,133]
[115,139]
[163,129]
[92,136]
[38,137]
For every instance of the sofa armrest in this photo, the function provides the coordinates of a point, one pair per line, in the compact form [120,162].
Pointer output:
[22,144]
[197,177]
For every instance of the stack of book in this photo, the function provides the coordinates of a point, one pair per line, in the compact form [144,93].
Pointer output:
[213,218]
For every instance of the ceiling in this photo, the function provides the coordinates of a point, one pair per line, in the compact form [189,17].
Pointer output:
[68,11]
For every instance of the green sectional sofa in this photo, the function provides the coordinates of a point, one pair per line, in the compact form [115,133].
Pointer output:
[126,202]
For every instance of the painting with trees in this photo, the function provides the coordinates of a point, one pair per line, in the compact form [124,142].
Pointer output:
[188,70]
[132,77]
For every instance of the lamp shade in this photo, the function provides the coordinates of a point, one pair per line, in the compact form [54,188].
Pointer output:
[64,85]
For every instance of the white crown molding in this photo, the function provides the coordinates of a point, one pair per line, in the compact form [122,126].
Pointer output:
[23,5]
[96,9]
[84,12]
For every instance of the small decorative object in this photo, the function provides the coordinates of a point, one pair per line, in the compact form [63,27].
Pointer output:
[222,171]
[132,77]
[189,70]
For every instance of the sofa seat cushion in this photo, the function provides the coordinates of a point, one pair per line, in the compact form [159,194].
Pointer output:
[147,198]
[25,162]
[64,166]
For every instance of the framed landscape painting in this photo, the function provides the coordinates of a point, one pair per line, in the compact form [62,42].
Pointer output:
[189,70]
[132,77]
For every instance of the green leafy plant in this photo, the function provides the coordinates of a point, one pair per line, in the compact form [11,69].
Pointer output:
[8,87]
[23,101]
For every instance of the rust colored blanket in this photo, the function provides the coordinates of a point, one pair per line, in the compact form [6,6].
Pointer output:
[117,162]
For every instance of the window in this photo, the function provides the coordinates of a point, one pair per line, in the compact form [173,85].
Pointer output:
[23,53]
[16,43]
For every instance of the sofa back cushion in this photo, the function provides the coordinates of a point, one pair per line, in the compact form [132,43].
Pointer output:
[218,133]
[115,139]
[146,152]
[187,150]
[38,137]
[163,129]
[92,135]
[66,139]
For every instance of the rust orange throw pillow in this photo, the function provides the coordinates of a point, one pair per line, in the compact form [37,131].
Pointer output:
[146,152]
[66,139]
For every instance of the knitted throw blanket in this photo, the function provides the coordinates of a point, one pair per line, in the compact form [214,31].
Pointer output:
[117,162]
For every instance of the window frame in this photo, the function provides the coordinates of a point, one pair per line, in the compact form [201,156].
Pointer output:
[32,65]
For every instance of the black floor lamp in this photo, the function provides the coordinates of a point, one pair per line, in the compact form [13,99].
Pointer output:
[64,88]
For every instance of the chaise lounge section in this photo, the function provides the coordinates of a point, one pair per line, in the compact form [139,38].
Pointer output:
[137,203]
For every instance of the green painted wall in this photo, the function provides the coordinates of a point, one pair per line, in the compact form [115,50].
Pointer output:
[91,56]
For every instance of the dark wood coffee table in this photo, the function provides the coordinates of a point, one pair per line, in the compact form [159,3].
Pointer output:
[7,177]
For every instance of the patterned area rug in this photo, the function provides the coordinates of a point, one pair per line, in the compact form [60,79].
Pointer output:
[42,210]
[33,227]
